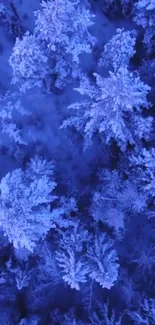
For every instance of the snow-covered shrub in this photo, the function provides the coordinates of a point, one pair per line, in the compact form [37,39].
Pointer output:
[119,50]
[28,62]
[82,256]
[112,108]
[25,198]
[62,27]
[145,17]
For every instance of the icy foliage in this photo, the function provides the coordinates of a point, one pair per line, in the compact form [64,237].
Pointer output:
[111,107]
[28,62]
[98,262]
[119,50]
[145,17]
[25,199]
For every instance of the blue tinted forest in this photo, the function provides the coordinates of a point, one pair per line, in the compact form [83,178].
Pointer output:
[77,162]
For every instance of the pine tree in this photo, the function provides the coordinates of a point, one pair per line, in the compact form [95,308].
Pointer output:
[112,109]
[25,204]
[62,27]
[119,50]
[145,17]
[28,62]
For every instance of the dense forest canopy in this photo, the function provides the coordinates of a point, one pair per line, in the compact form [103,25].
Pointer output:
[77,162]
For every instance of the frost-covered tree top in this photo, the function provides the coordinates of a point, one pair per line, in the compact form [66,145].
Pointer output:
[82,257]
[145,314]
[64,24]
[145,17]
[25,199]
[143,162]
[118,51]
[11,107]
[116,200]
[105,316]
[145,13]
[61,34]
[112,108]
[28,62]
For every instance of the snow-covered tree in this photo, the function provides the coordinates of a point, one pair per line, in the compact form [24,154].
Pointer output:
[119,50]
[28,62]
[68,318]
[145,313]
[102,261]
[112,108]
[62,27]
[11,107]
[82,256]
[143,164]
[116,200]
[65,25]
[144,257]
[104,316]
[70,257]
[25,199]
[145,17]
